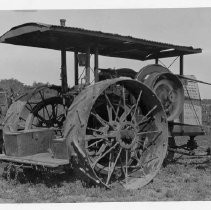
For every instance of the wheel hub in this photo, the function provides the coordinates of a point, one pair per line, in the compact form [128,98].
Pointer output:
[127,135]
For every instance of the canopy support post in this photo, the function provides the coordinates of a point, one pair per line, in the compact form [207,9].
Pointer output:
[181,65]
[87,66]
[63,64]
[156,60]
[96,75]
[76,67]
[64,71]
[181,117]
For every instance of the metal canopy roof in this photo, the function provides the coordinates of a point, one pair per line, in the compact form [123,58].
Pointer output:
[77,39]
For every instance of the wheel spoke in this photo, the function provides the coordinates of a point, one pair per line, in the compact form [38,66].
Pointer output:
[52,118]
[139,96]
[106,136]
[109,166]
[103,155]
[100,119]
[146,119]
[47,112]
[126,108]
[123,96]
[142,122]
[92,129]
[53,111]
[56,109]
[126,166]
[109,110]
[60,116]
[40,117]
[96,142]
[29,105]
[43,113]
[112,166]
[148,132]
[117,112]
[125,113]
[150,112]
[30,109]
[101,149]
[43,99]
[110,104]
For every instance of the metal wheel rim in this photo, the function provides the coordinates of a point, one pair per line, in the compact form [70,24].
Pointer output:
[77,135]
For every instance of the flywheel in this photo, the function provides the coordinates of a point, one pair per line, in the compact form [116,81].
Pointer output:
[167,87]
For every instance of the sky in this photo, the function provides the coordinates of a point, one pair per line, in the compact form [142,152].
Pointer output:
[187,26]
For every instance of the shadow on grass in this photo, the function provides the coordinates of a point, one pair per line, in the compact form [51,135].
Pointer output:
[48,178]
[199,163]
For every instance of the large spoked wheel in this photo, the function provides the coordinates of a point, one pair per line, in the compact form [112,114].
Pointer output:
[41,107]
[125,138]
[46,109]
[50,112]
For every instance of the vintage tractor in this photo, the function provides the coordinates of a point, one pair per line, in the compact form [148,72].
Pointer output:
[113,131]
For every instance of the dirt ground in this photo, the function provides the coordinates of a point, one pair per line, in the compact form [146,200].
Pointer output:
[183,180]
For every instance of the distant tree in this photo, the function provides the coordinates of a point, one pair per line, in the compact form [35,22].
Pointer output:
[37,84]
[13,87]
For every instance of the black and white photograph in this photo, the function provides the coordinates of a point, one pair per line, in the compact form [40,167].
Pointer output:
[105,104]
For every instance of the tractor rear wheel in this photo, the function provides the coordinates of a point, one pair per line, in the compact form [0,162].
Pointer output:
[120,132]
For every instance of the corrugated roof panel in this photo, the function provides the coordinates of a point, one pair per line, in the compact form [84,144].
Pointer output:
[77,39]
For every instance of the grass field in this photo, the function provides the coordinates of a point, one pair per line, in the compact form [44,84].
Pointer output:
[185,179]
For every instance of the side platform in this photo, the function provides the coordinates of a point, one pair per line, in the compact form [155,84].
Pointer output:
[40,159]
